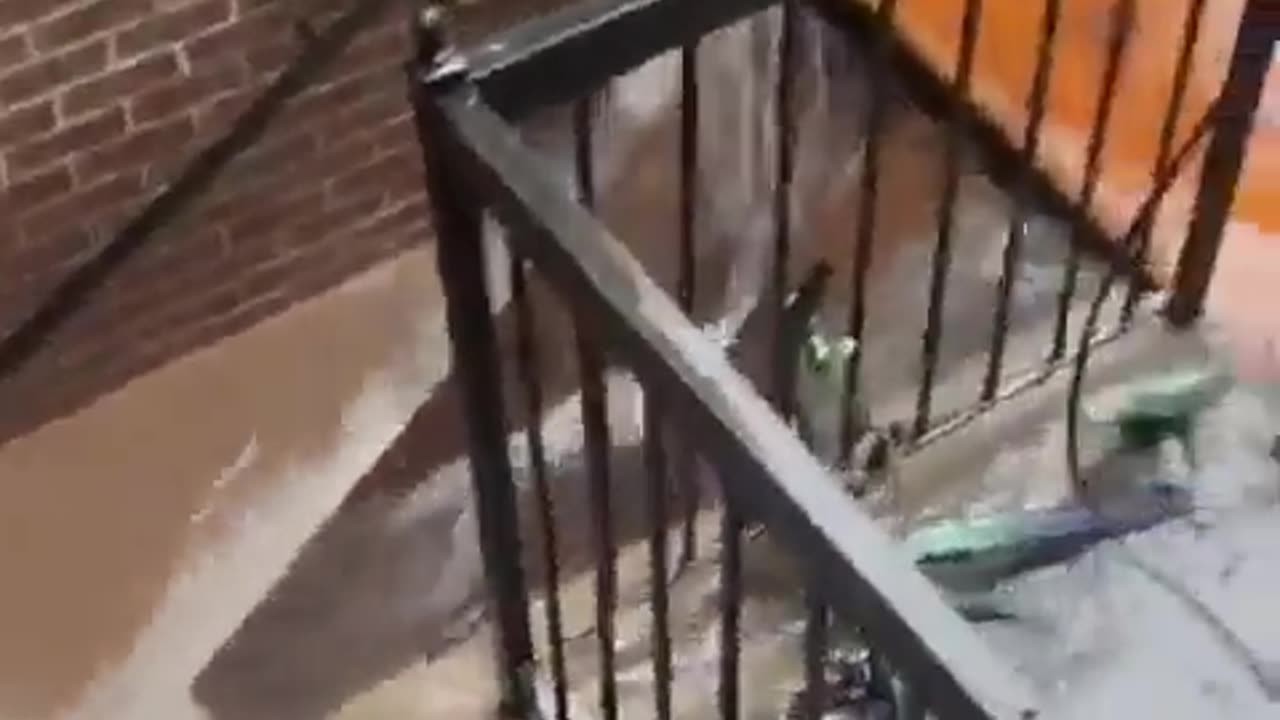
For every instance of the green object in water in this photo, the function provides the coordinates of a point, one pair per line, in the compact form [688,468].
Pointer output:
[982,607]
[1146,412]
[976,553]
[823,366]
[827,360]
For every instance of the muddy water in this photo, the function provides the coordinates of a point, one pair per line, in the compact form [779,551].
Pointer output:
[1078,612]
[301,639]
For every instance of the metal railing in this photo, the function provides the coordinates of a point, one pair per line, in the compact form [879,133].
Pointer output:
[477,165]
[197,177]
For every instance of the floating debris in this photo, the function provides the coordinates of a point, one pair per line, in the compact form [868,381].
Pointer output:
[975,554]
[1144,413]
[982,607]
[856,686]
[821,377]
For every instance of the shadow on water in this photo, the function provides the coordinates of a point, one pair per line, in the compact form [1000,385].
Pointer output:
[391,584]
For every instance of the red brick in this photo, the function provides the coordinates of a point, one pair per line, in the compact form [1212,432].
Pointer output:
[14,49]
[284,166]
[313,8]
[36,190]
[338,215]
[179,254]
[172,26]
[396,170]
[26,122]
[216,116]
[83,207]
[85,21]
[349,132]
[40,260]
[52,72]
[273,57]
[137,149]
[370,112]
[396,217]
[320,101]
[266,279]
[274,157]
[250,30]
[180,95]
[274,215]
[15,12]
[118,83]
[396,134]
[383,46]
[170,278]
[85,134]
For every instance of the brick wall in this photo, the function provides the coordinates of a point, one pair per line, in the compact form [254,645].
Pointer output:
[104,102]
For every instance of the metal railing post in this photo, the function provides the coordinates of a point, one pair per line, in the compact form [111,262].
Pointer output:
[1224,159]
[474,347]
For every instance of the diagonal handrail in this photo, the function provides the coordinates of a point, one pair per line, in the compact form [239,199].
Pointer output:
[769,474]
[78,288]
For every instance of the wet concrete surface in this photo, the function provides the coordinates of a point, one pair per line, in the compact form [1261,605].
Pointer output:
[379,612]
[137,534]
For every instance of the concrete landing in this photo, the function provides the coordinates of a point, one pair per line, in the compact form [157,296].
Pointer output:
[136,535]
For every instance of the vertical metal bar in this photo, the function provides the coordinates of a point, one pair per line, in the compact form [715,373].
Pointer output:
[815,653]
[950,188]
[730,611]
[474,352]
[784,134]
[1021,198]
[1139,225]
[596,435]
[1122,20]
[1168,130]
[656,464]
[691,492]
[1224,159]
[687,284]
[595,423]
[867,199]
[528,369]
[584,165]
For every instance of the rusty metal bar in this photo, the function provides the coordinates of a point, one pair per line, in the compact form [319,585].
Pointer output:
[656,465]
[564,55]
[867,199]
[1168,130]
[730,612]
[946,214]
[767,473]
[1122,20]
[1021,200]
[528,370]
[1224,159]
[474,352]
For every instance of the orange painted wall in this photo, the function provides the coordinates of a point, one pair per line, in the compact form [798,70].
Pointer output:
[1005,62]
